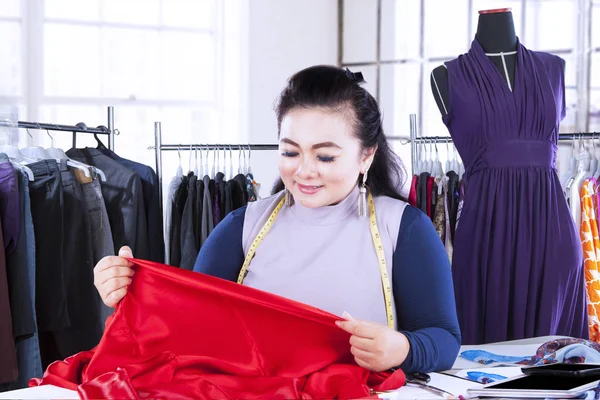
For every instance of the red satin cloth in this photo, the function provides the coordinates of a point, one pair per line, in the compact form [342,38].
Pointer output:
[183,334]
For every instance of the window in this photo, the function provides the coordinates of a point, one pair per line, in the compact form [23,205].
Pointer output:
[153,60]
[416,36]
[11,83]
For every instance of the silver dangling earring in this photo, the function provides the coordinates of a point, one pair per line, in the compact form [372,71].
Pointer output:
[362,196]
[289,199]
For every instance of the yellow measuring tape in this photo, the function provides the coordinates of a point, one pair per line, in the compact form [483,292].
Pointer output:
[385,280]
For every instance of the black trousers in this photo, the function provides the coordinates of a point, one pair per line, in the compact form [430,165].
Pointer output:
[85,329]
[46,195]
[66,306]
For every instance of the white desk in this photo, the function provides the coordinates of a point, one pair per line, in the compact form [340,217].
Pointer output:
[515,347]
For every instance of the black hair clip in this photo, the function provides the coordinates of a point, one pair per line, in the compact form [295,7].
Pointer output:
[355,76]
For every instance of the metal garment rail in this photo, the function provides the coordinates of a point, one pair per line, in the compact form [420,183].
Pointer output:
[159,147]
[415,139]
[74,129]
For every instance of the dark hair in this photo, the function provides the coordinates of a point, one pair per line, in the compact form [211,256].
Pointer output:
[340,90]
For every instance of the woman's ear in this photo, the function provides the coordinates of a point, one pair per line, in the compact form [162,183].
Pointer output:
[367,158]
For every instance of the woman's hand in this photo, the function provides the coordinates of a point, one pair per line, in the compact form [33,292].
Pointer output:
[375,347]
[112,275]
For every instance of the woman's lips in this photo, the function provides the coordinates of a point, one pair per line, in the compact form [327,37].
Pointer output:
[308,189]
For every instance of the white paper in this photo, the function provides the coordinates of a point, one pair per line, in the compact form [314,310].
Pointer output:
[455,386]
[41,392]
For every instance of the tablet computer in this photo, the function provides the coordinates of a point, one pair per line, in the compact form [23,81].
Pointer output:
[562,369]
[534,385]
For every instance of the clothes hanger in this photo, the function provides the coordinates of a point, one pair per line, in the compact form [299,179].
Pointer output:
[14,154]
[427,163]
[597,171]
[36,153]
[206,161]
[594,160]
[447,165]
[99,144]
[223,161]
[201,172]
[240,170]
[10,150]
[215,160]
[59,154]
[437,169]
[572,167]
[230,163]
[179,171]
[195,160]
[249,171]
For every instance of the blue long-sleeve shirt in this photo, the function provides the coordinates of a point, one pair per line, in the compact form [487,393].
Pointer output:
[422,285]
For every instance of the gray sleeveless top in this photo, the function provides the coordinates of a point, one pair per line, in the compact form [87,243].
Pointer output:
[324,256]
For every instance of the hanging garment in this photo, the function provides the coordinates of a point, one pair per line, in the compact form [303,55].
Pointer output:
[189,251]
[412,195]
[101,235]
[448,243]
[207,213]
[9,369]
[228,198]
[216,198]
[150,194]
[124,200]
[241,181]
[45,192]
[219,198]
[199,209]
[85,328]
[439,217]
[23,321]
[22,261]
[173,185]
[434,196]
[275,348]
[453,200]
[461,201]
[252,188]
[591,261]
[517,262]
[9,205]
[178,205]
[422,196]
[429,206]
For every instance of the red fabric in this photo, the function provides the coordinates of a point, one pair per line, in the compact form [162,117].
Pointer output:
[181,334]
[412,195]
[430,182]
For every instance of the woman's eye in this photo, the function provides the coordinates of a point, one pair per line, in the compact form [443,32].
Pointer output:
[289,154]
[326,159]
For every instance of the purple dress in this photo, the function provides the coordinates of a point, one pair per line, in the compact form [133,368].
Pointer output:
[517,263]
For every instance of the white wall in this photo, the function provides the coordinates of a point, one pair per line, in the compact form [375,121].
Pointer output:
[284,36]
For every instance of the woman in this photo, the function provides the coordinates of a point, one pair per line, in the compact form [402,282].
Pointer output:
[317,240]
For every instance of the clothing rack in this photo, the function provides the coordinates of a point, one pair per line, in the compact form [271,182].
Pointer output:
[414,139]
[74,129]
[159,147]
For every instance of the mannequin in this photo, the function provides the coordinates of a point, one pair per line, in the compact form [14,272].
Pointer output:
[502,103]
[496,34]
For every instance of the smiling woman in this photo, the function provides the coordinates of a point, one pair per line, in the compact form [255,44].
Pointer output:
[332,131]
[319,173]
[384,270]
